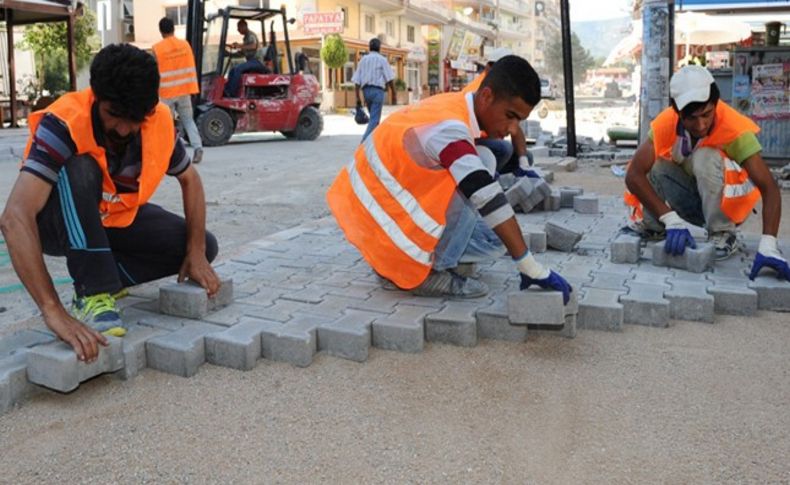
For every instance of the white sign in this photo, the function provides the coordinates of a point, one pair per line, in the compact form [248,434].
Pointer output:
[323,23]
[417,54]
[103,15]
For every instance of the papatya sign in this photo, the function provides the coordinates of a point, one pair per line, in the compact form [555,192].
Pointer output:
[323,23]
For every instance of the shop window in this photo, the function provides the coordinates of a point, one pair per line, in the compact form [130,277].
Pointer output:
[370,23]
[254,3]
[389,27]
[410,33]
[178,14]
[345,16]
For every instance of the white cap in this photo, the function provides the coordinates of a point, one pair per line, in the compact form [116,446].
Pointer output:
[498,54]
[691,84]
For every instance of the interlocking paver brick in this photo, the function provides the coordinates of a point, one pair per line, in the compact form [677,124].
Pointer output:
[645,305]
[145,315]
[561,237]
[626,249]
[403,330]
[732,296]
[600,309]
[311,293]
[586,204]
[493,323]
[14,386]
[294,342]
[454,324]
[567,194]
[694,260]
[536,306]
[535,238]
[22,339]
[690,300]
[772,293]
[190,300]
[238,347]
[134,355]
[348,337]
[610,281]
[180,352]
[55,365]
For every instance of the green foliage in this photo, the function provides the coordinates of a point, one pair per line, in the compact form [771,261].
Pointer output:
[400,84]
[49,41]
[582,60]
[334,52]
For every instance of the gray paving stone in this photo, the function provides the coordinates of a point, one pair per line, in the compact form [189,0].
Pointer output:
[586,204]
[348,337]
[772,293]
[694,260]
[610,281]
[567,194]
[690,301]
[536,306]
[553,201]
[294,342]
[309,294]
[645,305]
[535,239]
[22,339]
[145,315]
[283,311]
[454,324]
[403,330]
[600,309]
[55,365]
[527,194]
[232,314]
[359,290]
[561,237]
[180,352]
[190,300]
[14,386]
[626,249]
[238,347]
[733,298]
[133,346]
[493,323]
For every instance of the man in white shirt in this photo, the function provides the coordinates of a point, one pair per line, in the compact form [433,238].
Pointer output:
[373,75]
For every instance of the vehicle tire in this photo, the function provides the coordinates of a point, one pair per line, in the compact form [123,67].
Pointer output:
[309,124]
[215,126]
[288,134]
[543,111]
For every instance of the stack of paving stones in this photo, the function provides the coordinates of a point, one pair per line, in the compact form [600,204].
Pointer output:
[306,290]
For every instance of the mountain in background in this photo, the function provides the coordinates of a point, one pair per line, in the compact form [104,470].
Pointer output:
[600,36]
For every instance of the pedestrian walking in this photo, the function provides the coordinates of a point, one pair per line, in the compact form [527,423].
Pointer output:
[373,76]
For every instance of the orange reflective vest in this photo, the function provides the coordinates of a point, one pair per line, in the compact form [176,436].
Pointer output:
[389,206]
[475,83]
[177,73]
[739,195]
[158,141]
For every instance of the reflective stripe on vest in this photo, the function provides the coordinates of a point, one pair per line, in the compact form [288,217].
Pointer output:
[158,141]
[178,76]
[390,207]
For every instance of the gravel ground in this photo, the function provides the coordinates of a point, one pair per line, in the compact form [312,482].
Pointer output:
[694,403]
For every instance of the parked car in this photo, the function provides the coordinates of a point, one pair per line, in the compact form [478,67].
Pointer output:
[546,89]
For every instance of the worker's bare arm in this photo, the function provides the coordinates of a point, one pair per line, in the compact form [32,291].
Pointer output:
[195,265]
[637,182]
[772,200]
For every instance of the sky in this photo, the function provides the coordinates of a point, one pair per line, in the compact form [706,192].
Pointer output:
[583,10]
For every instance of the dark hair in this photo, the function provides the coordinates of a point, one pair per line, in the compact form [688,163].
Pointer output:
[512,76]
[374,44]
[128,78]
[241,22]
[166,26]
[690,108]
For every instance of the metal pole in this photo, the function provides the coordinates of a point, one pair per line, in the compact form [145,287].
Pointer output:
[656,67]
[9,25]
[71,51]
[567,64]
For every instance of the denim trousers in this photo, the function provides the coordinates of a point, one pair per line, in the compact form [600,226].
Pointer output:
[374,100]
[183,106]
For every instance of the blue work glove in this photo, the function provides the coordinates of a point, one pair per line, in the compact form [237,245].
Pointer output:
[768,255]
[533,273]
[678,234]
[525,169]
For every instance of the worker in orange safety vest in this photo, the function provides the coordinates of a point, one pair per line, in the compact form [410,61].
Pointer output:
[178,81]
[702,166]
[93,160]
[420,204]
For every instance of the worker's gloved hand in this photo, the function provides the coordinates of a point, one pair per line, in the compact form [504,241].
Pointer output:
[534,273]
[526,170]
[678,234]
[768,255]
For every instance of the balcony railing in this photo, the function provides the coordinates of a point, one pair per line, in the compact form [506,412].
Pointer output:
[515,6]
[431,6]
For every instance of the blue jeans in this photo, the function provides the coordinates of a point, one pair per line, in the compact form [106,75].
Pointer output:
[374,99]
[234,76]
[506,158]
[466,238]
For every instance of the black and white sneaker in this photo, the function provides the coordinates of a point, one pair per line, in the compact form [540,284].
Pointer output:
[450,284]
[726,244]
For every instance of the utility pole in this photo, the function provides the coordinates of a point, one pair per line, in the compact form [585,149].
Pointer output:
[567,63]
[656,61]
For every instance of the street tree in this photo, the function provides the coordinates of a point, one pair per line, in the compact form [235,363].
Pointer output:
[334,53]
[582,60]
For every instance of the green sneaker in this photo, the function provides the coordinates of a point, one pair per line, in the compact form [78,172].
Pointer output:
[99,312]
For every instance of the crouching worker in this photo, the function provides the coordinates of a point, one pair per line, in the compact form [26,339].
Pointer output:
[702,166]
[93,160]
[418,201]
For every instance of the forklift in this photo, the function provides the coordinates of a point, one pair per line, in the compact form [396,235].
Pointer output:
[287,101]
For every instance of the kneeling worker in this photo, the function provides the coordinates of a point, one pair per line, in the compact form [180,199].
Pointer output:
[417,200]
[702,166]
[93,160]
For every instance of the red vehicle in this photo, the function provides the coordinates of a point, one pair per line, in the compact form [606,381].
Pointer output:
[279,101]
